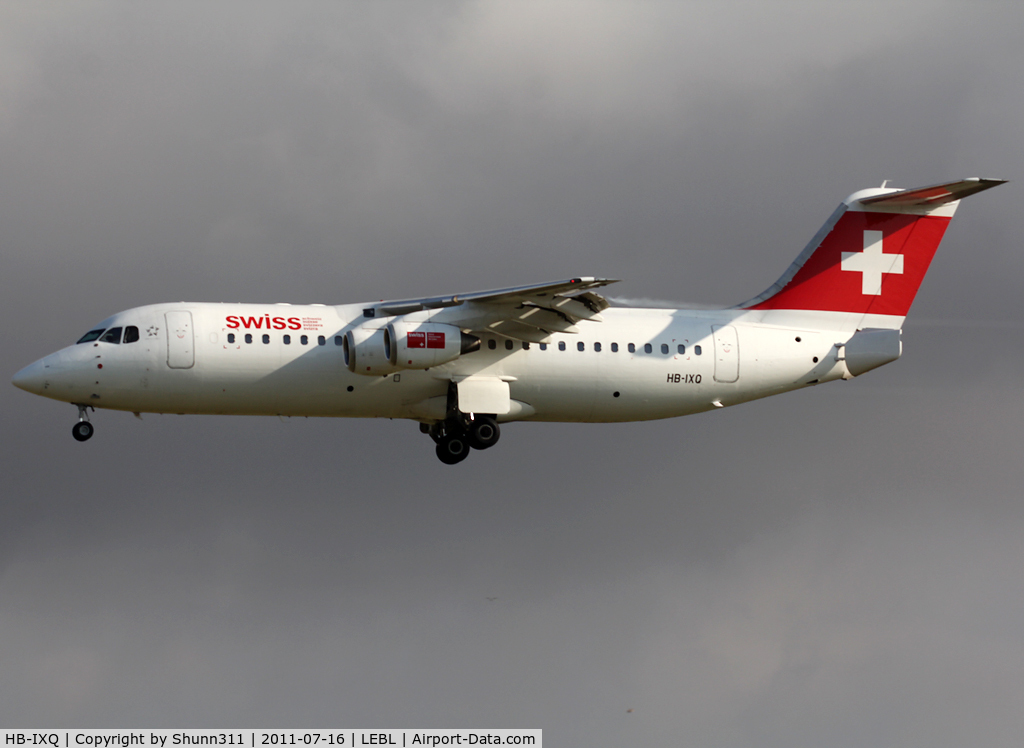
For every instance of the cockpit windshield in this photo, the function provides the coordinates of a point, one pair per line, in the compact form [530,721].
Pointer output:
[113,335]
[90,336]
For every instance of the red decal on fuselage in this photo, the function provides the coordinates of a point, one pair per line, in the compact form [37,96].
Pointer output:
[271,323]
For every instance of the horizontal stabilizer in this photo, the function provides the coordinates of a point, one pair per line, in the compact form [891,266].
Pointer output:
[938,194]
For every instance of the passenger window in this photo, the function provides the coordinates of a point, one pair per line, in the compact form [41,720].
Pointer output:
[337,339]
[508,345]
[543,346]
[631,348]
[647,348]
[113,335]
[580,346]
[597,347]
[696,350]
[231,337]
[615,347]
[526,346]
[304,340]
[248,337]
[561,345]
[131,334]
[321,340]
[664,347]
[90,336]
[266,338]
[492,344]
[681,349]
[287,339]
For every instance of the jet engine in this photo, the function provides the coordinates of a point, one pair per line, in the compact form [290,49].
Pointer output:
[412,345]
[363,349]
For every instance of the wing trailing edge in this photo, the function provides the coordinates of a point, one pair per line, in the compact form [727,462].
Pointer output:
[526,313]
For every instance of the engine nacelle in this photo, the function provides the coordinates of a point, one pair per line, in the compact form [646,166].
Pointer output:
[412,345]
[364,353]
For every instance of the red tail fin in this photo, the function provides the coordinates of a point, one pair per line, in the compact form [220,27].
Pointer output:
[873,253]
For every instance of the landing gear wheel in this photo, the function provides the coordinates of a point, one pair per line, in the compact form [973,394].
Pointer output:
[452,449]
[484,432]
[82,431]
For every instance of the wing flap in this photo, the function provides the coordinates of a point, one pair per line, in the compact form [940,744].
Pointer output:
[566,288]
[518,331]
[546,319]
[528,313]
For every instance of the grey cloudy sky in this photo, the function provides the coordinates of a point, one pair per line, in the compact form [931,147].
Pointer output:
[841,566]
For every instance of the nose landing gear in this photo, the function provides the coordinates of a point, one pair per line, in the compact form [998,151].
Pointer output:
[455,436]
[83,430]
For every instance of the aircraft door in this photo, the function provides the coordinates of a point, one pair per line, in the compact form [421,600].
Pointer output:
[180,343]
[727,353]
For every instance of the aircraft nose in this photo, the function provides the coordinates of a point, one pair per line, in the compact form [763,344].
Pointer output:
[31,378]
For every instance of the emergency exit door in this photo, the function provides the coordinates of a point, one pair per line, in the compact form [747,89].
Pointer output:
[727,353]
[180,342]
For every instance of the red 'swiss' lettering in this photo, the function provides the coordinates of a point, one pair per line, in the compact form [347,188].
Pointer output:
[435,340]
[272,323]
[417,340]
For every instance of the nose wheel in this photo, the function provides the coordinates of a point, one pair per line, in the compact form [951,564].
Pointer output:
[83,430]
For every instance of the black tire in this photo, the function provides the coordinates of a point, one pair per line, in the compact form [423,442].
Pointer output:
[82,431]
[452,449]
[484,432]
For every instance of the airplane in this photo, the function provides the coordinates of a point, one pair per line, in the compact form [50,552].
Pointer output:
[461,365]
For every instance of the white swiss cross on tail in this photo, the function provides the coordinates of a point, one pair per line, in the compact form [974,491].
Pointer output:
[872,263]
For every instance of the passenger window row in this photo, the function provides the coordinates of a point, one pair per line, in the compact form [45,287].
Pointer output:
[287,339]
[597,347]
[492,344]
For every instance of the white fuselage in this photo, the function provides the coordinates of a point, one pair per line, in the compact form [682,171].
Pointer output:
[636,364]
[555,351]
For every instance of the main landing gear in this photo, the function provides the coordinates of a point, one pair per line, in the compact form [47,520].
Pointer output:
[83,430]
[456,436]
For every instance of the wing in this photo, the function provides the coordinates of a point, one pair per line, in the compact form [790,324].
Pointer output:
[530,313]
